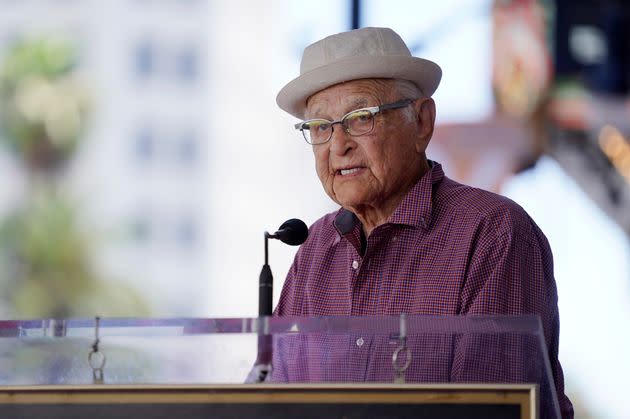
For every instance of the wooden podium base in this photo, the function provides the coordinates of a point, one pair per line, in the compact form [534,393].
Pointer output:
[303,401]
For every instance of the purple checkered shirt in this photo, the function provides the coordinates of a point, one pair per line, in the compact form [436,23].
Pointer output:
[448,249]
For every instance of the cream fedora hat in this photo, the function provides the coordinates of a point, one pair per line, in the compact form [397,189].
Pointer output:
[358,54]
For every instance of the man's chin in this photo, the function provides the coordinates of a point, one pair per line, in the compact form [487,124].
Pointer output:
[352,196]
[351,204]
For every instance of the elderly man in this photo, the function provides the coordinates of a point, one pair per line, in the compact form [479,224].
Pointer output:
[407,239]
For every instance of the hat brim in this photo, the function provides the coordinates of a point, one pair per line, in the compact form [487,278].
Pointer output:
[424,73]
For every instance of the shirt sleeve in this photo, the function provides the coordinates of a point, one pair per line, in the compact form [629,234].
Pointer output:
[511,273]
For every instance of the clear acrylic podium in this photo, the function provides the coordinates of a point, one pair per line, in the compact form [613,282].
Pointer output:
[437,360]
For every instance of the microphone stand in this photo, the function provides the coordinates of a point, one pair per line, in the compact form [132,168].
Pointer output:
[265,283]
[292,232]
[262,366]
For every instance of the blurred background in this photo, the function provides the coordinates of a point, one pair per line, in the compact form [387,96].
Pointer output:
[142,155]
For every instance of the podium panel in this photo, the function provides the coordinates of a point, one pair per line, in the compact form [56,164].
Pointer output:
[100,355]
[480,401]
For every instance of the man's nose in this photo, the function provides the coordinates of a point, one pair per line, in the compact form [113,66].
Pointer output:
[340,142]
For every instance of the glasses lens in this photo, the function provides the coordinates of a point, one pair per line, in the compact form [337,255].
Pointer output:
[316,131]
[359,122]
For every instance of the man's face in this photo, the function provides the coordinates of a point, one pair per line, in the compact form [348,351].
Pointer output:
[375,170]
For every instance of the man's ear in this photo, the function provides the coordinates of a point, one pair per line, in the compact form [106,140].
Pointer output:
[425,112]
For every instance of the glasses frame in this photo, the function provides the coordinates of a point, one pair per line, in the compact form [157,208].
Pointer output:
[373,110]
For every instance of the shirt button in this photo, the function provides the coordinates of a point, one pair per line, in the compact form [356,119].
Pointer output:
[395,238]
[360,342]
[355,264]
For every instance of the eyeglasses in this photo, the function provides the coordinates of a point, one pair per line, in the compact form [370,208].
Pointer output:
[354,123]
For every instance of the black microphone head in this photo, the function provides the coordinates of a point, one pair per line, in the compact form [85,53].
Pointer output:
[293,232]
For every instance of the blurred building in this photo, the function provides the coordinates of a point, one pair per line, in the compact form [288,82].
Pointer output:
[139,176]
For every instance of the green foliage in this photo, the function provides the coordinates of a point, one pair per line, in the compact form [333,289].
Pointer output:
[46,270]
[45,57]
[45,264]
[43,106]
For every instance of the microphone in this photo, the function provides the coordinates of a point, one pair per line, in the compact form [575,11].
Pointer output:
[292,232]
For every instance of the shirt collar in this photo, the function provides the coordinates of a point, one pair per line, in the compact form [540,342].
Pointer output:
[345,221]
[414,210]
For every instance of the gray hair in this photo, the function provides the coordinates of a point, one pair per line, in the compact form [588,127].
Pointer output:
[405,89]
[396,89]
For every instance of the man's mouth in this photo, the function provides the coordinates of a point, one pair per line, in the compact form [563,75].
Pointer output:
[349,171]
